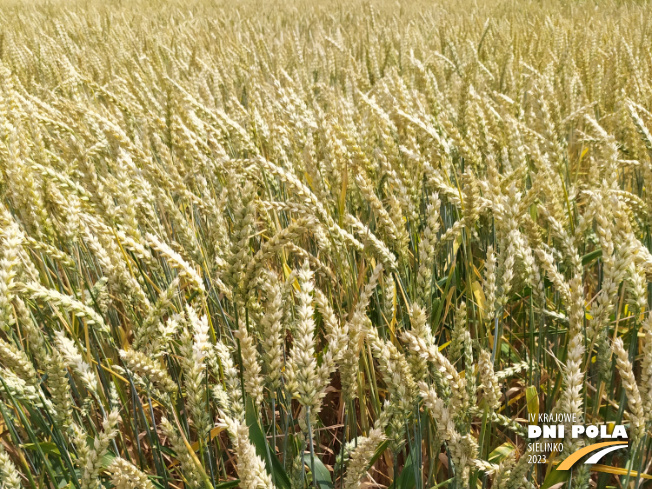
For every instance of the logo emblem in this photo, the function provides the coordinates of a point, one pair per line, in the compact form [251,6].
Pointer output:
[607,447]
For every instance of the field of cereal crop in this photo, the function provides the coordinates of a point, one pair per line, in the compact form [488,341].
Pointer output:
[324,245]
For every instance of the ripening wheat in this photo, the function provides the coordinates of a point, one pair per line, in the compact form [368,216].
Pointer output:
[322,245]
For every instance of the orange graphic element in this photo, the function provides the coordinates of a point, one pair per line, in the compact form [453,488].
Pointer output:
[570,461]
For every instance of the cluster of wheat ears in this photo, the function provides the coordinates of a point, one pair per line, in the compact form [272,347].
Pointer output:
[315,245]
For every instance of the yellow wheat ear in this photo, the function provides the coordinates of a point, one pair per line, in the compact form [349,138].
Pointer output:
[329,244]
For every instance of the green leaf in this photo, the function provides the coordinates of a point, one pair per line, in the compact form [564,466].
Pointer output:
[257,437]
[406,478]
[228,484]
[508,351]
[440,305]
[379,451]
[168,451]
[589,257]
[47,447]
[322,475]
[107,459]
[555,477]
[532,398]
[501,452]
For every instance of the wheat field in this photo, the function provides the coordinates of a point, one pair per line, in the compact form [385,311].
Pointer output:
[329,245]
